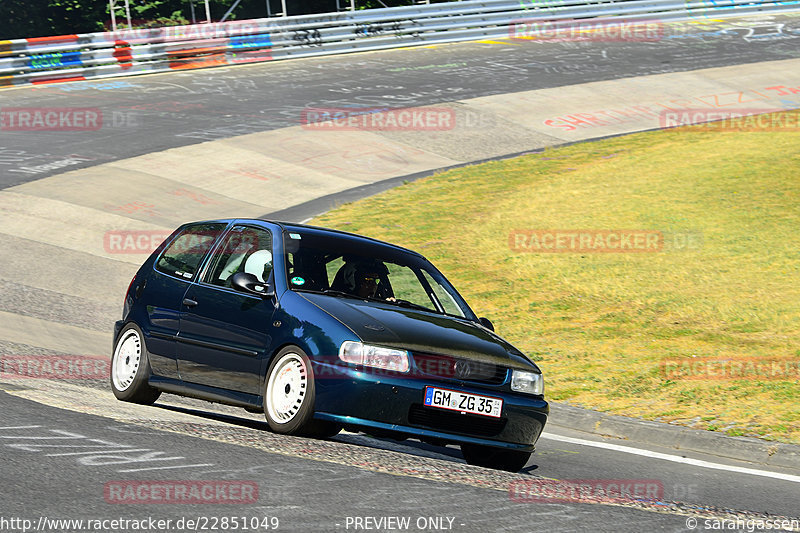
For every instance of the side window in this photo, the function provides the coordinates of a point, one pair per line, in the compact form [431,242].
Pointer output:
[184,254]
[245,249]
[306,270]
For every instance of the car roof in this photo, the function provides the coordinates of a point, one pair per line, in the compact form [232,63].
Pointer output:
[289,226]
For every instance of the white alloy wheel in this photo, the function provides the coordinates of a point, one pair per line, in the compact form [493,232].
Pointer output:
[287,388]
[126,361]
[130,368]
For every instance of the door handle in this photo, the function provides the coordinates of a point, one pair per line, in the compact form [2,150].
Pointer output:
[189,303]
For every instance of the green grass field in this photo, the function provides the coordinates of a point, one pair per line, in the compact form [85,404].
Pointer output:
[605,327]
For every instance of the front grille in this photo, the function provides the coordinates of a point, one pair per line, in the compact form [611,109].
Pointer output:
[458,368]
[467,424]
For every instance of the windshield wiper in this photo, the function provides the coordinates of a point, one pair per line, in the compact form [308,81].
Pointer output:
[327,292]
[405,303]
[332,292]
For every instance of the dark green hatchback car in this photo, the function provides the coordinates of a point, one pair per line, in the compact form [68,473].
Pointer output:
[323,330]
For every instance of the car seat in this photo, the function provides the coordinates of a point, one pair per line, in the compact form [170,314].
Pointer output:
[259,264]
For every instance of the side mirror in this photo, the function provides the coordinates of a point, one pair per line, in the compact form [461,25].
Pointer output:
[244,282]
[485,322]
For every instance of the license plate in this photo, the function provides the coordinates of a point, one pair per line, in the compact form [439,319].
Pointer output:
[463,402]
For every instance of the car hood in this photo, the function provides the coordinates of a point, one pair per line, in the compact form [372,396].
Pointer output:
[417,331]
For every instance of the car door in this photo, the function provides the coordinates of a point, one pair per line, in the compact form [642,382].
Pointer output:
[223,337]
[164,288]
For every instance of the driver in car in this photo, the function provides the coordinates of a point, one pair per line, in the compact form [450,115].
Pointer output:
[362,279]
[367,285]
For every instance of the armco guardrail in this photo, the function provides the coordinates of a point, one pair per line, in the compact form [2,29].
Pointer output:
[126,52]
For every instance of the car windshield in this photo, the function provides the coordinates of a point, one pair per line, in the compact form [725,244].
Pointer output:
[344,267]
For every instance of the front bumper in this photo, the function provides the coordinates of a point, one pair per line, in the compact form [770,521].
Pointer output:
[394,402]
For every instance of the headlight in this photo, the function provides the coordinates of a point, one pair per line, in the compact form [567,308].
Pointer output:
[528,382]
[359,353]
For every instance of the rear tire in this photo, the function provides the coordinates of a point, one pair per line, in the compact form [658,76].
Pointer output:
[130,368]
[289,397]
[497,458]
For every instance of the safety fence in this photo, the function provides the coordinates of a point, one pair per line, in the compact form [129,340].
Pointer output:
[134,51]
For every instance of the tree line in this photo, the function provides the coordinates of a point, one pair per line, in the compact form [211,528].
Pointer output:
[41,18]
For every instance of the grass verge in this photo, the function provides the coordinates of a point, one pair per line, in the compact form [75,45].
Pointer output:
[704,332]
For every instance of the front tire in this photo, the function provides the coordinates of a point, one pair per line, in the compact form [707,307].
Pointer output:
[289,397]
[130,368]
[497,458]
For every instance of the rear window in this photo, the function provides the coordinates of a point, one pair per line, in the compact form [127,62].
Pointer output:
[183,255]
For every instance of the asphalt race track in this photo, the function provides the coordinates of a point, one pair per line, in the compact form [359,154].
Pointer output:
[147,114]
[225,142]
